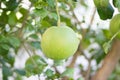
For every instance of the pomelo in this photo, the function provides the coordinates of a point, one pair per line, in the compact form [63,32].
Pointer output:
[59,42]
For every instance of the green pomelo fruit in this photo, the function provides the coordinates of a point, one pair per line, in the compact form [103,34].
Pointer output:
[59,42]
[115,25]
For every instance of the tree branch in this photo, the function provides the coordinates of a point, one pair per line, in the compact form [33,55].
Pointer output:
[88,70]
[109,62]
[28,52]
[20,33]
[92,18]
[71,65]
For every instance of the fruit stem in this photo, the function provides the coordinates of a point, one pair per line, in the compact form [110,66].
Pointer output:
[115,35]
[58,15]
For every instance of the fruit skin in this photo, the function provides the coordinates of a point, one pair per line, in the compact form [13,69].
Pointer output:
[115,25]
[59,42]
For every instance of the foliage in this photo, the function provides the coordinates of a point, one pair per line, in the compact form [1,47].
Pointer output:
[22,27]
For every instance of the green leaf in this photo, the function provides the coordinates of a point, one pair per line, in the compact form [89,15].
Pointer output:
[9,58]
[39,3]
[20,71]
[107,33]
[34,65]
[9,41]
[116,3]
[15,42]
[30,27]
[68,72]
[49,73]
[58,62]
[104,8]
[66,20]
[54,16]
[34,36]
[45,24]
[51,21]
[12,19]
[72,3]
[82,2]
[85,43]
[33,1]
[12,5]
[99,55]
[3,19]
[75,0]
[80,66]
[42,13]
[6,42]
[80,78]
[112,76]
[18,77]
[50,3]
[100,38]
[63,5]
[23,11]
[6,72]
[36,44]
[105,12]
[118,69]
[3,51]
[106,46]
[3,39]
[5,46]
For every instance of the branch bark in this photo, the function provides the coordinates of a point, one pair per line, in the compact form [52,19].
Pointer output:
[87,76]
[109,62]
[71,65]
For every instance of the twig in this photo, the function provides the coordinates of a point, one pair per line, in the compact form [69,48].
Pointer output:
[81,50]
[29,55]
[56,70]
[38,76]
[57,10]
[92,18]
[71,8]
[65,78]
[84,31]
[88,70]
[20,34]
[32,58]
[71,65]
[19,1]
